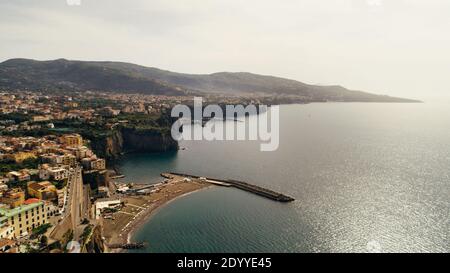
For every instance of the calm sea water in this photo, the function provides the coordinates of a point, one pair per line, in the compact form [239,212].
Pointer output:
[365,177]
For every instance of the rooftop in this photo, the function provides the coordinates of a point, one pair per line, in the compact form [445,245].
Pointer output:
[31,201]
[6,242]
[12,212]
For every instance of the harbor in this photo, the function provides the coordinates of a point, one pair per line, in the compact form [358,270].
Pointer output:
[134,208]
[140,201]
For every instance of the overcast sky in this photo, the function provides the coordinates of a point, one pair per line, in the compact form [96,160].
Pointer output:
[395,47]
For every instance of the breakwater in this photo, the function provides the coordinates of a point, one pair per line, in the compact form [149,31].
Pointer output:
[237,184]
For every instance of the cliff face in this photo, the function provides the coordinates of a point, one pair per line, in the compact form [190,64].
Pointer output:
[148,140]
[96,245]
[133,140]
[114,145]
[110,146]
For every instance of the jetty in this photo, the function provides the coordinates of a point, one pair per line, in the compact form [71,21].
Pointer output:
[127,246]
[117,176]
[236,184]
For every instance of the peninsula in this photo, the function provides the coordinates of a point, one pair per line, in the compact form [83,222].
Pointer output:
[64,124]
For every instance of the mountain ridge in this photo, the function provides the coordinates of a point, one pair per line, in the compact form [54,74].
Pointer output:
[110,76]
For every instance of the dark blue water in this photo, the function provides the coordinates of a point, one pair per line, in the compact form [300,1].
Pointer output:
[366,177]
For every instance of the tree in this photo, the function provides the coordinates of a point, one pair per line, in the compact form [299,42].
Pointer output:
[44,241]
[42,229]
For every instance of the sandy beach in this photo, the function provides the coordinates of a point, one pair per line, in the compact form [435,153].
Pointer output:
[139,209]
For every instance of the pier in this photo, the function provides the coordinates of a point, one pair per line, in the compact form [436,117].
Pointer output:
[236,184]
[117,176]
[127,246]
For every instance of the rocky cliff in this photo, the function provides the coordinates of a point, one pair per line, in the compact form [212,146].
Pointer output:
[123,140]
[109,146]
[148,140]
[95,244]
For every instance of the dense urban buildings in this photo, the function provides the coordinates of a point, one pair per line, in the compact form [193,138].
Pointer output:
[57,153]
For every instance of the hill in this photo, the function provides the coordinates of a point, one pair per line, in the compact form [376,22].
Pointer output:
[61,74]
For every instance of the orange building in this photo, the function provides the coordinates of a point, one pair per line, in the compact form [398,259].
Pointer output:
[72,140]
[43,190]
[14,198]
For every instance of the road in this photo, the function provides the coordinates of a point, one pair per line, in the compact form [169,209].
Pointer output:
[77,201]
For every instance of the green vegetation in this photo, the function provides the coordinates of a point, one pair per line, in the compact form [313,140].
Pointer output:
[86,233]
[40,230]
[60,184]
[44,241]
[97,129]
[29,163]
[103,131]
[54,245]
[67,237]
[29,133]
[157,123]
[64,75]
[97,103]
[32,249]
[17,117]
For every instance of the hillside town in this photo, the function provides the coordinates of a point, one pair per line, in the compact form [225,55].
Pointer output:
[35,199]
[51,182]
[57,171]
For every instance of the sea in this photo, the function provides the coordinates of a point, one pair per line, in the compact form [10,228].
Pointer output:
[367,177]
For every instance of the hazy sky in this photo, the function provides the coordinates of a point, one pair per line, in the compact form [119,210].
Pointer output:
[395,47]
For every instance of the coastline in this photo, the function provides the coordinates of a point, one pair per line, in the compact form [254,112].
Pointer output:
[137,225]
[138,210]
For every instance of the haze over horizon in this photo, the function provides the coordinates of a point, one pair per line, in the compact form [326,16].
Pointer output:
[395,47]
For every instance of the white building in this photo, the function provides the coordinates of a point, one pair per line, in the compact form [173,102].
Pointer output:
[58,173]
[55,173]
[93,163]
[6,232]
[100,205]
[3,187]
[4,180]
